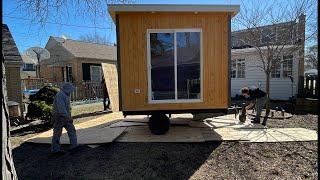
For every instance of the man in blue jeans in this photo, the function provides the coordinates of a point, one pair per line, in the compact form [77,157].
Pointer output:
[62,119]
[257,98]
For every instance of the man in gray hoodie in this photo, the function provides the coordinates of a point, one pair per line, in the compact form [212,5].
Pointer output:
[62,119]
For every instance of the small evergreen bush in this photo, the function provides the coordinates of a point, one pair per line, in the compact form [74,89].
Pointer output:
[41,104]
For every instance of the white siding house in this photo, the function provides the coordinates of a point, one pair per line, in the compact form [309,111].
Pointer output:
[246,71]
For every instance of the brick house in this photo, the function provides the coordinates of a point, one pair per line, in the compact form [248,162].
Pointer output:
[75,61]
[13,64]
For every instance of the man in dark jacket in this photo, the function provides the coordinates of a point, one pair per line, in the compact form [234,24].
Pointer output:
[257,98]
[62,119]
[105,95]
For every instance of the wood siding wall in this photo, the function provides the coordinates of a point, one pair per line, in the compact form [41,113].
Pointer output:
[133,53]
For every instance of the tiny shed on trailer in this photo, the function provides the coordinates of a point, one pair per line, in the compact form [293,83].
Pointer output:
[173,59]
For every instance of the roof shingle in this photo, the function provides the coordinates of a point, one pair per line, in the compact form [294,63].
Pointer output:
[88,50]
[9,47]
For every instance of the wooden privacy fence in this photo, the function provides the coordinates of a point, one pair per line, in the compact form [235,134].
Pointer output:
[33,83]
[310,86]
[83,90]
[87,90]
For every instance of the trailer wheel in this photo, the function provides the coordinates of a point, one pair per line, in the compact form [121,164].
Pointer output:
[159,124]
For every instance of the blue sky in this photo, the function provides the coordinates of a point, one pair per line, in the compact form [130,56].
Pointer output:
[27,34]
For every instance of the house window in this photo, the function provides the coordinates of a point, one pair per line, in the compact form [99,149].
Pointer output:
[174,58]
[275,68]
[69,74]
[96,73]
[28,67]
[238,68]
[287,66]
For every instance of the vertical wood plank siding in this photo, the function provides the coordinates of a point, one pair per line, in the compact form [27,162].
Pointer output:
[133,52]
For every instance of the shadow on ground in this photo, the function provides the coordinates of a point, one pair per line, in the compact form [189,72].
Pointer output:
[114,161]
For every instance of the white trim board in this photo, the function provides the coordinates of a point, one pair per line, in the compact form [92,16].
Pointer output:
[176,100]
[152,8]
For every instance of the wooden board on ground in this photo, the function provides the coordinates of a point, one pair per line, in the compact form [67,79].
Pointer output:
[175,134]
[93,135]
[87,128]
[223,128]
[267,135]
[226,121]
[127,124]
[111,78]
[138,119]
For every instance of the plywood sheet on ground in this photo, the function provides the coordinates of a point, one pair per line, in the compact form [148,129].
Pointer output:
[87,131]
[226,121]
[111,78]
[223,128]
[266,135]
[175,134]
[127,124]
[94,135]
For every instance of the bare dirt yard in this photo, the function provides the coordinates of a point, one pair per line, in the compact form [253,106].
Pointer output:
[209,160]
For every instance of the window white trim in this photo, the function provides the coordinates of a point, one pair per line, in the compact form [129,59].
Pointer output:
[176,100]
[281,68]
[236,62]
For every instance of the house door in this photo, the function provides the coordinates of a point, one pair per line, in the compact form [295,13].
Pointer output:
[96,73]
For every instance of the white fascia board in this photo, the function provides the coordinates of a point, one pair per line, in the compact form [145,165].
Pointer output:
[114,8]
[264,48]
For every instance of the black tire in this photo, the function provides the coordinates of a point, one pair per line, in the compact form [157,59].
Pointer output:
[159,124]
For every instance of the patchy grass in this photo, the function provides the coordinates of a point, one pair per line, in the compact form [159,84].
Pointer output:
[86,109]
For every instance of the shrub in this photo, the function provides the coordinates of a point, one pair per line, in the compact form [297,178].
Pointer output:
[46,94]
[39,110]
[41,104]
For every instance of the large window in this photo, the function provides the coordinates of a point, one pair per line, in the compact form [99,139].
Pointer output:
[282,68]
[287,66]
[238,68]
[174,65]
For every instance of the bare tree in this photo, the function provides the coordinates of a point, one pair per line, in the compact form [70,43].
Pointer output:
[312,57]
[42,11]
[95,38]
[277,38]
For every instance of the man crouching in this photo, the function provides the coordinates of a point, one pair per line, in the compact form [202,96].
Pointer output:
[62,119]
[257,98]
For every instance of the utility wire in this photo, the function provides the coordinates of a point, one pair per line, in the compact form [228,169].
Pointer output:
[62,24]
